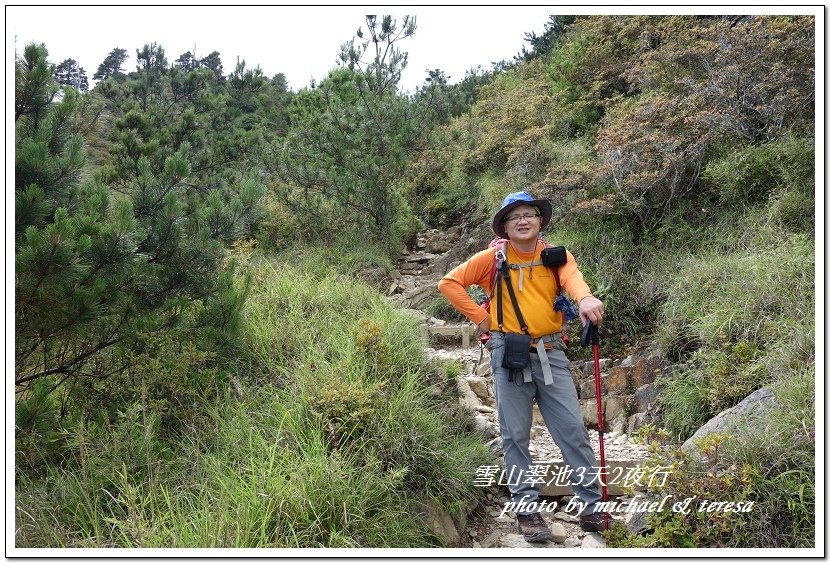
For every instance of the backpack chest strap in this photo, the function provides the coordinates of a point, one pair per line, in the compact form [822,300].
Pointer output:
[521,268]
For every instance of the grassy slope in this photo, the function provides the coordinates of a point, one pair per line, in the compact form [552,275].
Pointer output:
[339,434]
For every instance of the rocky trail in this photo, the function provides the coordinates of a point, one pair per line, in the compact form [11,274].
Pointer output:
[489,525]
[628,391]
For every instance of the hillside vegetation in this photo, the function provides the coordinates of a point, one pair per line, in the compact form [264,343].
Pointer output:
[199,363]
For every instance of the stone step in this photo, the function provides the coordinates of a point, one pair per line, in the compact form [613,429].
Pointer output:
[464,332]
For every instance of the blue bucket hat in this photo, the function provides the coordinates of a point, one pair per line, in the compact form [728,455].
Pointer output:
[514,200]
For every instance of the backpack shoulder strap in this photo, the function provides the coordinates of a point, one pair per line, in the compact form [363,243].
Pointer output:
[503,270]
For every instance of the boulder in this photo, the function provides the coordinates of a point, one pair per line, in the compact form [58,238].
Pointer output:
[753,411]
[612,408]
[515,540]
[418,296]
[635,421]
[376,277]
[588,408]
[585,388]
[593,541]
[487,428]
[637,522]
[616,381]
[441,524]
[645,395]
[643,372]
[479,386]
[467,397]
[483,370]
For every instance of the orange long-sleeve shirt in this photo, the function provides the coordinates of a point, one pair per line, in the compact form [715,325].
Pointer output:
[536,298]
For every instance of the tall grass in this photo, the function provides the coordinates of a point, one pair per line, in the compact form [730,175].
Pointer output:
[783,454]
[615,266]
[336,433]
[272,480]
[359,342]
[741,320]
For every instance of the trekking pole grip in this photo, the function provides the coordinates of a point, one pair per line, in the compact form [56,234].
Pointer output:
[590,334]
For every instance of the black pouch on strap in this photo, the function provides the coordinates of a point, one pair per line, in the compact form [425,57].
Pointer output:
[516,351]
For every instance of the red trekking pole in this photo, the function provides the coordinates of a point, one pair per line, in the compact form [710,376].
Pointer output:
[590,334]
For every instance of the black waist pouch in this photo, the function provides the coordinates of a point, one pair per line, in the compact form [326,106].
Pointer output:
[516,351]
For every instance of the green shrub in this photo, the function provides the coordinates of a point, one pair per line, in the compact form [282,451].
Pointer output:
[320,241]
[169,374]
[614,266]
[452,370]
[793,210]
[685,397]
[453,200]
[405,225]
[707,479]
[493,187]
[345,408]
[37,425]
[750,175]
[731,375]
[575,110]
[170,379]
[649,433]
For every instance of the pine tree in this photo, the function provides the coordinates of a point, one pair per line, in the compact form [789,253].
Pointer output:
[187,62]
[351,136]
[34,84]
[214,63]
[544,44]
[112,65]
[70,73]
[94,271]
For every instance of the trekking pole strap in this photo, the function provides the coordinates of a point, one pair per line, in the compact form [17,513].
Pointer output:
[499,314]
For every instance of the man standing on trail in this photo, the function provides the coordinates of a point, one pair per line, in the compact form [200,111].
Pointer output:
[544,373]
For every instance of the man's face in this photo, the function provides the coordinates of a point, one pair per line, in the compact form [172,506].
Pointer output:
[522,223]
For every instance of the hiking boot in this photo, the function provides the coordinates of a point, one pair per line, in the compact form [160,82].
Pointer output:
[593,522]
[533,527]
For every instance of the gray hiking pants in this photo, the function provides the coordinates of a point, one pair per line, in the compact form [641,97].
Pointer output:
[559,406]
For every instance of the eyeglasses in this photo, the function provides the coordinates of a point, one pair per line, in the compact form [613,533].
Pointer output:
[525,217]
